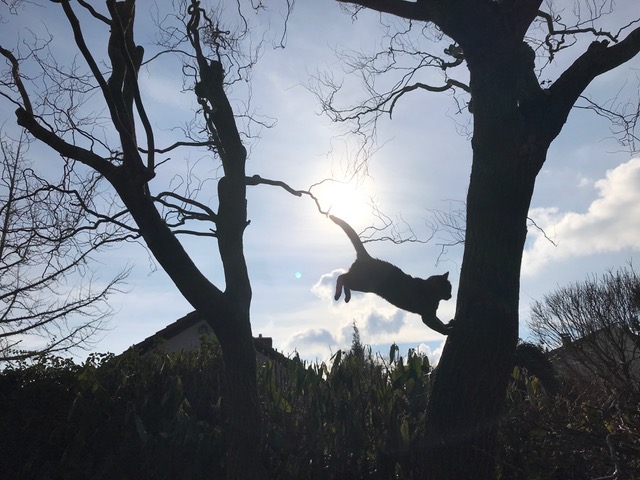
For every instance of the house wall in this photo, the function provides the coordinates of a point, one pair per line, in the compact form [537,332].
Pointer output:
[610,356]
[186,334]
[188,339]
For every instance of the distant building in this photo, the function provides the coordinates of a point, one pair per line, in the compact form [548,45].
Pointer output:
[187,332]
[609,357]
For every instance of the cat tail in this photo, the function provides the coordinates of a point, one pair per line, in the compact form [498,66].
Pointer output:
[353,236]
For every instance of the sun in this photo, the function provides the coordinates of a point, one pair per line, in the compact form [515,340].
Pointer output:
[352,201]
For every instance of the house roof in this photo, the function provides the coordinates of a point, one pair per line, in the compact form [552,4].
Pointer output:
[570,344]
[263,345]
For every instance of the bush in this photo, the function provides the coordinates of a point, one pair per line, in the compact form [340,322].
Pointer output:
[363,417]
[113,417]
[565,436]
[359,417]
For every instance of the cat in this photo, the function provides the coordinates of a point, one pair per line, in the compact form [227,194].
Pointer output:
[368,274]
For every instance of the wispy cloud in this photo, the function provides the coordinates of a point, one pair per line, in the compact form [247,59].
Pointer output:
[610,224]
[166,91]
[432,353]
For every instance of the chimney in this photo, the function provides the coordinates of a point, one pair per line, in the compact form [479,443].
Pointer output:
[266,341]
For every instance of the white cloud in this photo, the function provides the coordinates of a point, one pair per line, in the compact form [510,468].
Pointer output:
[584,181]
[610,224]
[377,321]
[380,323]
[315,344]
[374,326]
[314,337]
[373,315]
[433,354]
[325,287]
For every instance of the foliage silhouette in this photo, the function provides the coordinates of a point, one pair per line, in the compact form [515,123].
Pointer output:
[159,416]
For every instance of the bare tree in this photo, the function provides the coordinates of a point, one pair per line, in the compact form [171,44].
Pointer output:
[499,60]
[119,145]
[50,301]
[594,328]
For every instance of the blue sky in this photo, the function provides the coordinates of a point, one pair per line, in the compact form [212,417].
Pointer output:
[587,198]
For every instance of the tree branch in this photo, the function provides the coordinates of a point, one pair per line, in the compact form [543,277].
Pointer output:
[209,213]
[178,144]
[132,56]
[548,19]
[93,12]
[258,180]
[210,91]
[15,73]
[598,59]
[450,84]
[87,157]
[93,66]
[419,10]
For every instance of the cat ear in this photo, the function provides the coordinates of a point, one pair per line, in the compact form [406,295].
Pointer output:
[445,275]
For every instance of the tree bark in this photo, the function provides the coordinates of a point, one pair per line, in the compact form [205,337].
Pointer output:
[473,372]
[515,122]
[241,401]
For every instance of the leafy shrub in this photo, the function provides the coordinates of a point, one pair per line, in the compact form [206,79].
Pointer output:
[359,416]
[567,437]
[113,417]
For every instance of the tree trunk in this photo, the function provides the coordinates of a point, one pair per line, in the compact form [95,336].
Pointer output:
[240,399]
[473,372]
[228,315]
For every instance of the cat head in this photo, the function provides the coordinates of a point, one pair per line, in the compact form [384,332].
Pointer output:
[440,286]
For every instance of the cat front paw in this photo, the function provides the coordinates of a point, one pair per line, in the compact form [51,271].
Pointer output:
[451,325]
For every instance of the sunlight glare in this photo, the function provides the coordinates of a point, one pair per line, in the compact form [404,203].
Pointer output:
[350,201]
